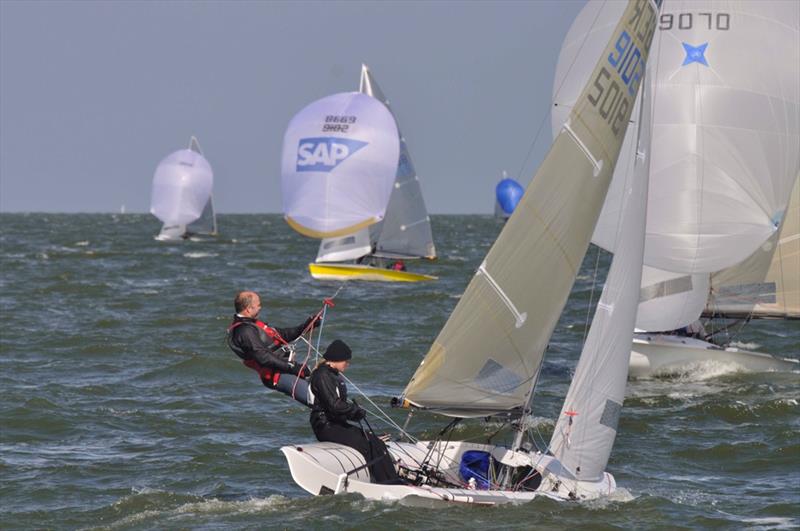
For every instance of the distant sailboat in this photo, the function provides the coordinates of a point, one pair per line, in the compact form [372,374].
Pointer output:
[182,195]
[488,356]
[726,153]
[507,194]
[399,229]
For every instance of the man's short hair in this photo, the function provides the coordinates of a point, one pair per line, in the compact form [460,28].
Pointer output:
[243,300]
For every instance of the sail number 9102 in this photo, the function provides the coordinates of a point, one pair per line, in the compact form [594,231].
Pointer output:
[606,94]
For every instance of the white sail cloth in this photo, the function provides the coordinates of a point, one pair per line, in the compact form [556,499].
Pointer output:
[726,140]
[339,162]
[487,356]
[182,186]
[726,133]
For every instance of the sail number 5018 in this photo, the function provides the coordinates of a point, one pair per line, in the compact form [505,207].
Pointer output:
[607,95]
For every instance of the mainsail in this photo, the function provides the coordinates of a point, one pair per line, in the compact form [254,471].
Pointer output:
[405,231]
[726,130]
[181,191]
[339,162]
[487,356]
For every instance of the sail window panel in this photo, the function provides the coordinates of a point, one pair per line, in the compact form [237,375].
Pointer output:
[496,378]
[344,248]
[611,413]
[670,300]
[745,294]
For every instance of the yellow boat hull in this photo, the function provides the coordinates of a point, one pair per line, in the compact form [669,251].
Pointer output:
[323,271]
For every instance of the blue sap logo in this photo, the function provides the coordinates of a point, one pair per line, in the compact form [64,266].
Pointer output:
[325,153]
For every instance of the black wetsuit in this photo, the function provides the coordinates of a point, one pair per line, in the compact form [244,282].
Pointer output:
[329,416]
[251,343]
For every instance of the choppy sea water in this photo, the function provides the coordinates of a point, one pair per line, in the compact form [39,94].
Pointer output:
[121,407]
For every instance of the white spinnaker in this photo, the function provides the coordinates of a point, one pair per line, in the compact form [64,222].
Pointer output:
[182,186]
[726,134]
[487,355]
[587,426]
[768,283]
[339,161]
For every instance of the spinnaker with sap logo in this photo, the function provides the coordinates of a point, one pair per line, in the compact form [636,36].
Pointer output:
[340,158]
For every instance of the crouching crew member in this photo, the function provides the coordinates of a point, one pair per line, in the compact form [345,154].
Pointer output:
[332,410]
[259,347]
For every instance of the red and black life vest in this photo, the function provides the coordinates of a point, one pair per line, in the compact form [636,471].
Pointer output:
[268,376]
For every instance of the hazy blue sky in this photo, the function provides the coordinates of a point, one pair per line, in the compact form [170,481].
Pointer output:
[94,94]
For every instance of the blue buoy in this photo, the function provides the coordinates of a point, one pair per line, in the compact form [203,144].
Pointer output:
[508,194]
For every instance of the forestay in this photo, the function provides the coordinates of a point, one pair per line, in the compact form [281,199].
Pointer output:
[488,354]
[182,187]
[339,162]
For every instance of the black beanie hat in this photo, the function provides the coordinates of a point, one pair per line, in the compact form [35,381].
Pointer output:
[337,351]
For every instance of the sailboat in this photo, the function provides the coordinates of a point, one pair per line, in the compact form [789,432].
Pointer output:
[488,356]
[182,195]
[401,232]
[726,155]
[507,194]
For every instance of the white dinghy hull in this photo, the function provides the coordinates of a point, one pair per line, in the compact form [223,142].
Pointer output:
[653,354]
[322,468]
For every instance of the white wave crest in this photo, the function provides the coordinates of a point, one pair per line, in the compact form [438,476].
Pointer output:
[253,505]
[745,346]
[700,370]
[199,255]
[774,522]
[620,495]
[210,506]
